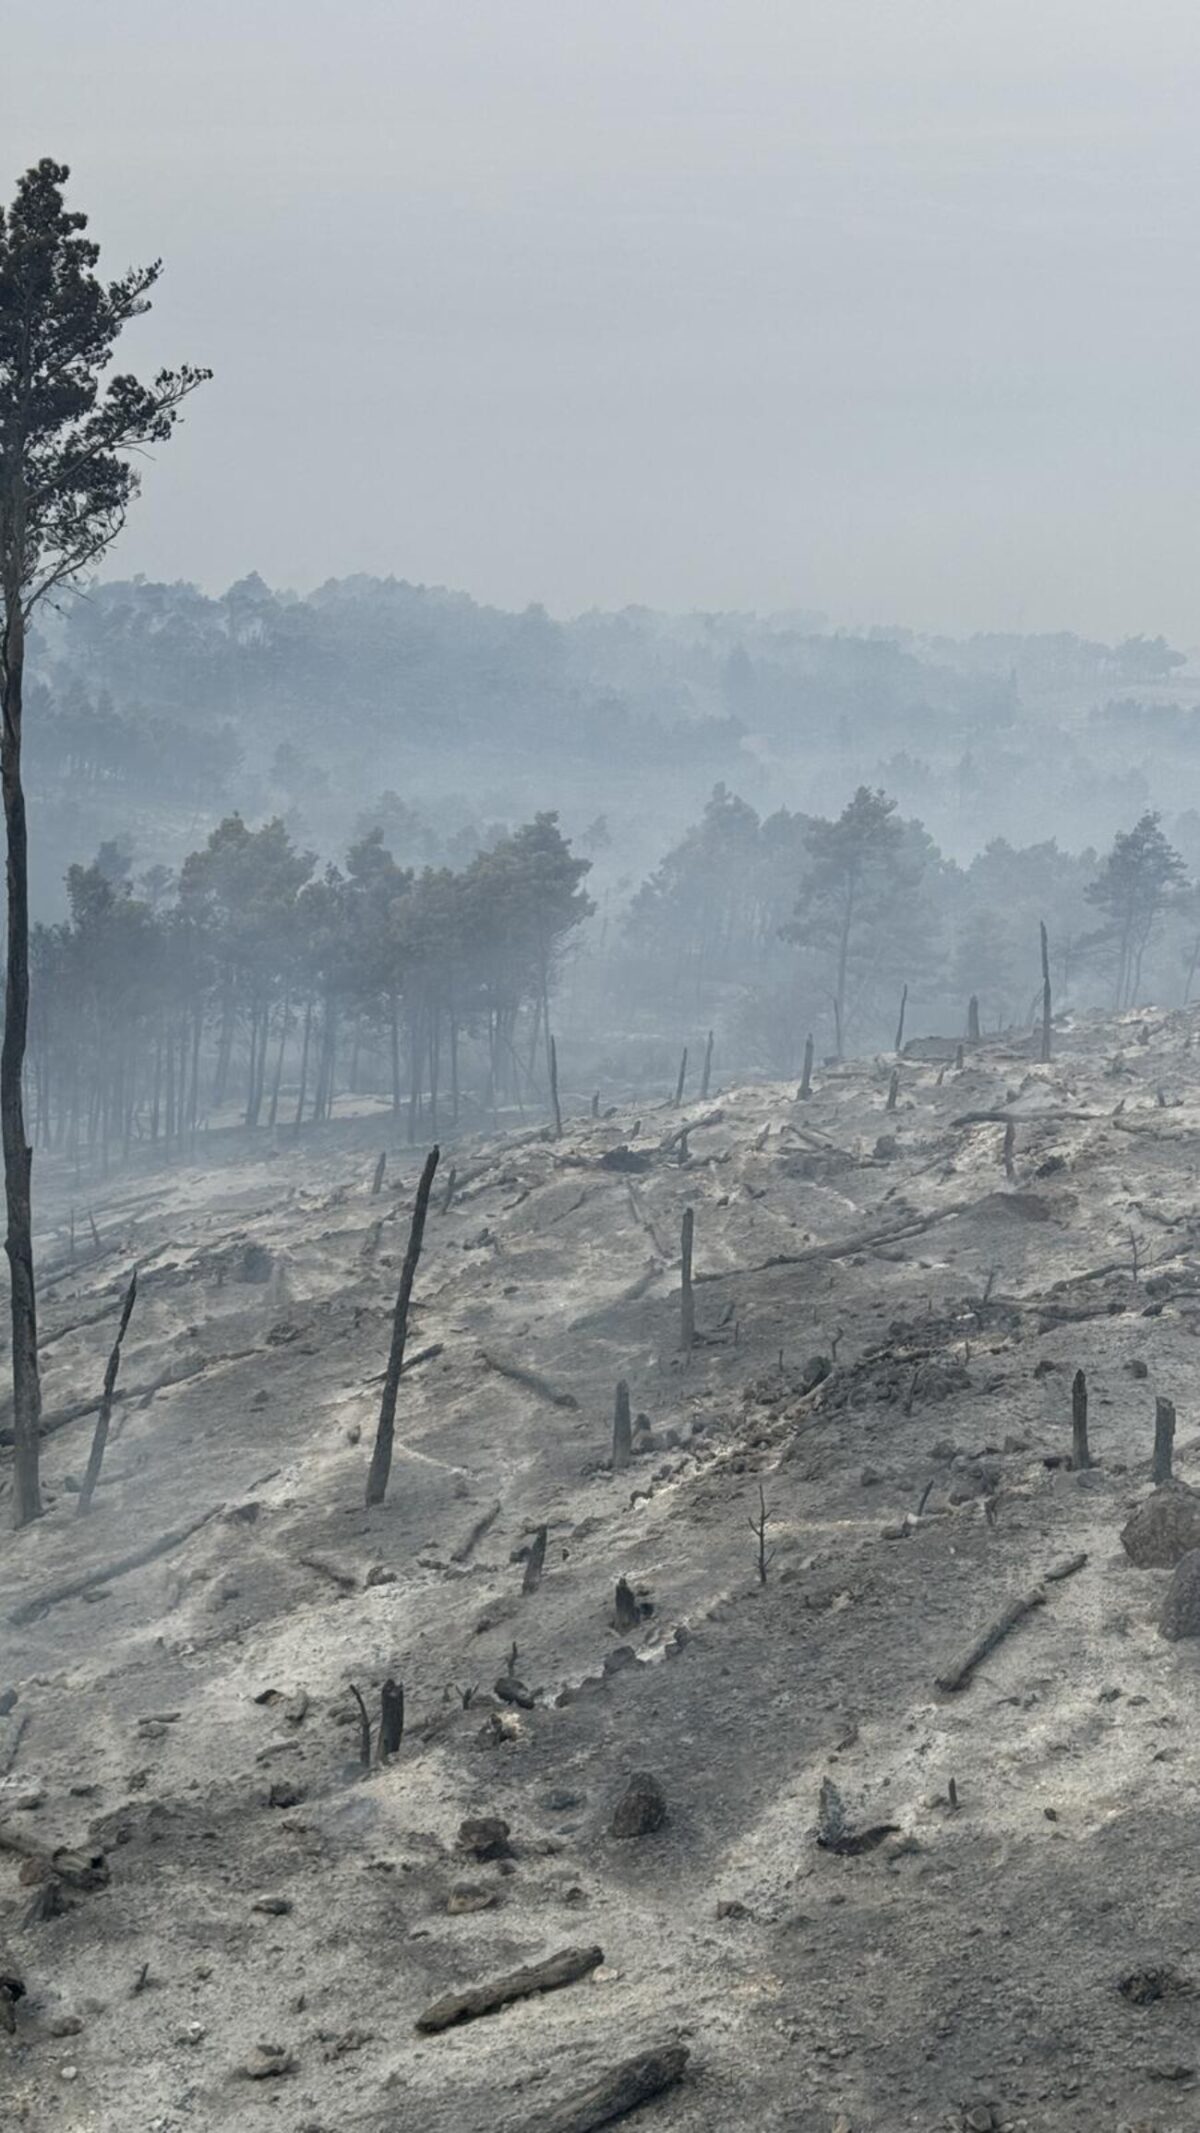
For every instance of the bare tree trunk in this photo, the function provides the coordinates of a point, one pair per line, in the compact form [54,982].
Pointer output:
[805,1090]
[277,1082]
[973,1020]
[1046,996]
[706,1076]
[394,1031]
[679,1085]
[554,1090]
[381,1457]
[18,1156]
[687,1301]
[900,1024]
[1080,1455]
[303,1065]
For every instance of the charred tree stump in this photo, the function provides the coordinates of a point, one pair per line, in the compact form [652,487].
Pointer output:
[1164,1442]
[706,1074]
[973,1020]
[622,1441]
[1010,1139]
[1046,997]
[377,1180]
[381,1457]
[959,1059]
[893,1094]
[900,1023]
[391,1719]
[100,1436]
[806,1077]
[687,1301]
[595,1103]
[535,1562]
[554,1090]
[679,1086]
[626,1612]
[1080,1455]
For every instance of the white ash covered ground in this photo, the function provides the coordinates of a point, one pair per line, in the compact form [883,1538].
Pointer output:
[905,1408]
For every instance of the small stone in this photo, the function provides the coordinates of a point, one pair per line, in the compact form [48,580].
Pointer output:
[65,2026]
[731,1907]
[266,2063]
[870,1477]
[70,2073]
[1137,1368]
[284,1793]
[623,1656]
[274,1906]
[641,1808]
[379,1574]
[353,1434]
[469,1896]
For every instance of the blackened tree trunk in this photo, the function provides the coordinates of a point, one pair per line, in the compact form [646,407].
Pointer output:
[381,1457]
[1046,998]
[18,1156]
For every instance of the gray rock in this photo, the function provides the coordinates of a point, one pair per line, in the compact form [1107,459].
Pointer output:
[1164,1528]
[1180,1615]
[641,1808]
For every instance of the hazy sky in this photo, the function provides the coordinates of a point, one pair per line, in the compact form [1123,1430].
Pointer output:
[888,307]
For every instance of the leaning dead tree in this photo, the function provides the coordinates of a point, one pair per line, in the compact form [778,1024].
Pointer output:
[381,1457]
[1046,998]
[1164,1442]
[687,1300]
[900,1023]
[380,1168]
[100,1435]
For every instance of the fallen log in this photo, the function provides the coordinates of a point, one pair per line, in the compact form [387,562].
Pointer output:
[615,2094]
[844,1247]
[530,1380]
[565,1968]
[72,1588]
[957,1676]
